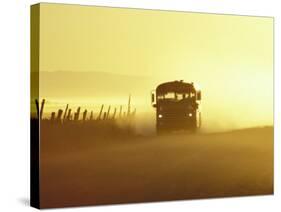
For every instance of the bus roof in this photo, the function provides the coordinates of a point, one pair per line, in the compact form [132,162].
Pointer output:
[175,86]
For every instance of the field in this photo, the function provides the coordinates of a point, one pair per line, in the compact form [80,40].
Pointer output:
[102,169]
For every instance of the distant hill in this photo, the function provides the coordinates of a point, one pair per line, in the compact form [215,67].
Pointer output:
[70,84]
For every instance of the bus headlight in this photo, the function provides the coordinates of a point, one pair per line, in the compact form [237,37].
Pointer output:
[160,116]
[190,114]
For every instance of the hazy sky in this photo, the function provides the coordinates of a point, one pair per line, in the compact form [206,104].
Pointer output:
[231,57]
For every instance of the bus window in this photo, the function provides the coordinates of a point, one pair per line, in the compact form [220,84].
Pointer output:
[170,95]
[192,94]
[186,95]
[180,96]
[160,97]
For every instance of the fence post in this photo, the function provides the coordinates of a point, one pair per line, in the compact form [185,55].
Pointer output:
[104,115]
[76,115]
[65,112]
[37,108]
[129,106]
[60,111]
[68,115]
[42,108]
[108,111]
[120,111]
[53,116]
[84,115]
[91,116]
[113,116]
[100,114]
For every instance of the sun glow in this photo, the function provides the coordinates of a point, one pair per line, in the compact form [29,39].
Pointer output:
[91,56]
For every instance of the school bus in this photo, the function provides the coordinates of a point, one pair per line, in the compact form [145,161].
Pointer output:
[177,106]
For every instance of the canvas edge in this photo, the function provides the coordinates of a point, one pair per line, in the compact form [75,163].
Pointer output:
[34,94]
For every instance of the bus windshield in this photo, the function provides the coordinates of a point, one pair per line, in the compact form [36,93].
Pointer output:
[174,96]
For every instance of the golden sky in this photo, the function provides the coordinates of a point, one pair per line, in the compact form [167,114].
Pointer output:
[231,57]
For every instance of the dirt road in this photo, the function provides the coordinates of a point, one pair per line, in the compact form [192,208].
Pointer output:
[172,167]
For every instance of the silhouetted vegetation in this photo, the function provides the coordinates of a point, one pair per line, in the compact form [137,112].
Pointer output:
[81,128]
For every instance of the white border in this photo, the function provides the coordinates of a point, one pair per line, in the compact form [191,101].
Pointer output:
[14,106]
